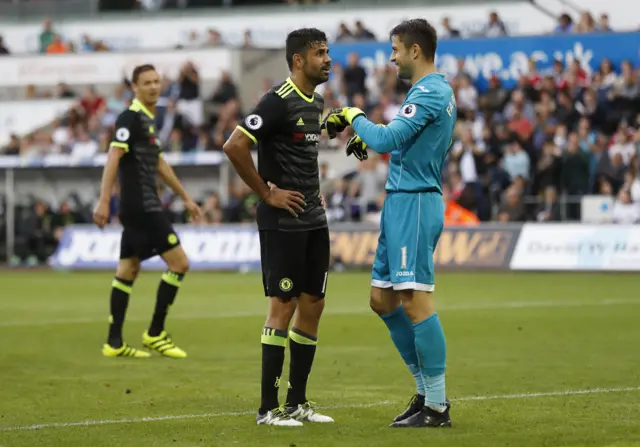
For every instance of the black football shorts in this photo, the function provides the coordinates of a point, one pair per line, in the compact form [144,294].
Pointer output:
[295,262]
[147,235]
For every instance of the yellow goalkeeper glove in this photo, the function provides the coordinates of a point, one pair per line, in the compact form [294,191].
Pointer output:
[339,119]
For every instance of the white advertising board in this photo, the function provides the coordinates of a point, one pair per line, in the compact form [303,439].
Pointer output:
[577,247]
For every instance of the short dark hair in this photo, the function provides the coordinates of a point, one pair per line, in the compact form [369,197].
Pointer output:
[301,40]
[418,32]
[141,69]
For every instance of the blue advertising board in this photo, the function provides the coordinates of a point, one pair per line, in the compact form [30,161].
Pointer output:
[507,57]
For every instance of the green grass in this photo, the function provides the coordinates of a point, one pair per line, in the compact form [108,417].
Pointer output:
[507,334]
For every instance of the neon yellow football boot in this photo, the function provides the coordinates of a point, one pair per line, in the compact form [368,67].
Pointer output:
[124,351]
[163,344]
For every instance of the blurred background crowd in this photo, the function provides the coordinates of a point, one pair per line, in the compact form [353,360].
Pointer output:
[526,153]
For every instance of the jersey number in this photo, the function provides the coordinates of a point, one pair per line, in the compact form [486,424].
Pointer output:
[403,257]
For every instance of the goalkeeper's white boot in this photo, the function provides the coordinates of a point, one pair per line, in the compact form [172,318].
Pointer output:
[278,417]
[307,413]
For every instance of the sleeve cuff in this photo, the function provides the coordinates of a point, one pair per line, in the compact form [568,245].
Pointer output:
[124,146]
[247,133]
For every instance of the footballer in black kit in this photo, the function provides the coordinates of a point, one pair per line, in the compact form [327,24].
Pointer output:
[135,156]
[294,237]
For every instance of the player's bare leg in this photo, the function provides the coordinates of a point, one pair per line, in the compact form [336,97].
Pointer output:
[303,337]
[156,338]
[431,352]
[388,305]
[121,288]
[274,340]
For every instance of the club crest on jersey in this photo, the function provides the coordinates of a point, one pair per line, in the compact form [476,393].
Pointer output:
[408,111]
[254,122]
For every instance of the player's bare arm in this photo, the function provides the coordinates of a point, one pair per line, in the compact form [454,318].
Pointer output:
[238,149]
[169,176]
[101,212]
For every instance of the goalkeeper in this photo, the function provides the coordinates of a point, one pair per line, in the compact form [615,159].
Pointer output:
[402,284]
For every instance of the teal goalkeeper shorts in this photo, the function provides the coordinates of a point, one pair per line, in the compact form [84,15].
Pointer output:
[410,227]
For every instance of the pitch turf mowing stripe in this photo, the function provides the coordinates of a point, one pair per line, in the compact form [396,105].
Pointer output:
[505,305]
[375,404]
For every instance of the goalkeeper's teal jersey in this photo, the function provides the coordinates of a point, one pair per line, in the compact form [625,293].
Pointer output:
[418,138]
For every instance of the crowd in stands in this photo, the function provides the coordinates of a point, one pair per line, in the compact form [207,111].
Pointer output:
[53,42]
[519,154]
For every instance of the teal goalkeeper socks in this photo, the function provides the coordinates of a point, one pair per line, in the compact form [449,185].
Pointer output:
[403,337]
[432,356]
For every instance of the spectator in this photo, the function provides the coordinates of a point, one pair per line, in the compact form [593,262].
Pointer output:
[173,144]
[469,157]
[624,210]
[549,210]
[354,77]
[3,48]
[86,45]
[63,91]
[226,89]
[369,180]
[212,210]
[626,86]
[495,97]
[203,141]
[83,147]
[495,27]
[454,213]
[336,201]
[586,24]
[449,31]
[229,117]
[63,218]
[516,162]
[171,120]
[214,39]
[190,104]
[604,24]
[344,33]
[622,145]
[363,33]
[512,209]
[565,24]
[609,76]
[35,240]
[57,46]
[247,40]
[61,136]
[46,36]
[91,102]
[467,96]
[192,41]
[13,147]
[575,173]
[31,92]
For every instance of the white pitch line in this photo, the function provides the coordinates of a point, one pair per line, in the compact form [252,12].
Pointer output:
[375,404]
[504,305]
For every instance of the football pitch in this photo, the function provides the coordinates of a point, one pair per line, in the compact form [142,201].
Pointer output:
[533,360]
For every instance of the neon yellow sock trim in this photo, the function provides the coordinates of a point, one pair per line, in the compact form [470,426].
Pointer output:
[301,339]
[121,286]
[172,279]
